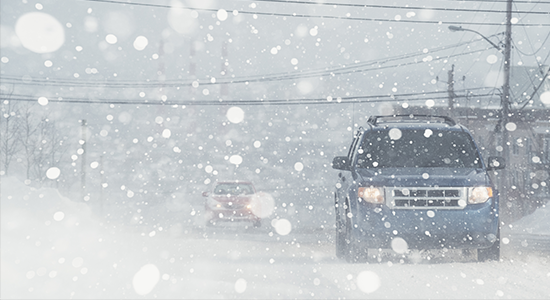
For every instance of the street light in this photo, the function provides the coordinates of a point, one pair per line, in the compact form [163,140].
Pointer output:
[506,85]
[459,28]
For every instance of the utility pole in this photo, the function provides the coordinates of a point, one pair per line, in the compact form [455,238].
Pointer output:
[192,65]
[224,89]
[83,160]
[101,181]
[451,88]
[506,98]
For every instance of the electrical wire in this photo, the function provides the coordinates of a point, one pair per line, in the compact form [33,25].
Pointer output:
[473,63]
[536,51]
[498,1]
[295,15]
[264,78]
[264,102]
[536,89]
[527,35]
[523,90]
[334,4]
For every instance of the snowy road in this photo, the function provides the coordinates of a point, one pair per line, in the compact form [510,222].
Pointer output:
[233,263]
[55,248]
[304,266]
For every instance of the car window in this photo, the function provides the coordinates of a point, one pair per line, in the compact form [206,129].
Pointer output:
[408,148]
[233,189]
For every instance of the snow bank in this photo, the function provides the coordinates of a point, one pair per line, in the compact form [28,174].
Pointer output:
[535,223]
[24,207]
[53,247]
[46,240]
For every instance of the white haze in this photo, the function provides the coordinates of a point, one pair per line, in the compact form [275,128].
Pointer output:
[151,81]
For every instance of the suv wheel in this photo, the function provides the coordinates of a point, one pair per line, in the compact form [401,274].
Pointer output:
[491,253]
[340,239]
[353,252]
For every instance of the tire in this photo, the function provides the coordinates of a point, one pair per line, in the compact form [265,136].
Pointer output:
[340,237]
[492,253]
[353,252]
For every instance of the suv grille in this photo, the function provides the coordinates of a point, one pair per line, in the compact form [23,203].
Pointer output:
[426,198]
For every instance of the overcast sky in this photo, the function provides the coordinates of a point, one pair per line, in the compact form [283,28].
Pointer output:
[374,50]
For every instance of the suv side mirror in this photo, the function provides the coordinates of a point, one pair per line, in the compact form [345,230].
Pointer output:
[341,163]
[496,163]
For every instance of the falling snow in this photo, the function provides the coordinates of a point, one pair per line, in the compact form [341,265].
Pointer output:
[118,119]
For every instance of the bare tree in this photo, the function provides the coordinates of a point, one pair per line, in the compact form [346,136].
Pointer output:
[49,147]
[10,139]
[29,136]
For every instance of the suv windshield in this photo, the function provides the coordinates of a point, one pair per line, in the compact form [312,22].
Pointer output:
[418,148]
[233,189]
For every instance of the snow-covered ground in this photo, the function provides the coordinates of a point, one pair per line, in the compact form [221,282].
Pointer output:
[52,247]
[531,233]
[535,223]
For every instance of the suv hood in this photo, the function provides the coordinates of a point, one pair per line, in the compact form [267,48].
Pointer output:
[424,177]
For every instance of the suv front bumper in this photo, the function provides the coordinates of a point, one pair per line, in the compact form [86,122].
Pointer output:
[475,226]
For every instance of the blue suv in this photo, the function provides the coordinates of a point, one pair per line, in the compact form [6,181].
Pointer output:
[415,182]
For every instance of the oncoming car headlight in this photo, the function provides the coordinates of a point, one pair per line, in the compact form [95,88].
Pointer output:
[213,203]
[371,194]
[479,194]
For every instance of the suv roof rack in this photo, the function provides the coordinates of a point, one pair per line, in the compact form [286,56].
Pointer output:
[374,120]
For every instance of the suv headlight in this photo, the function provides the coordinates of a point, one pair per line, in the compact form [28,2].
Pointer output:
[371,194]
[479,194]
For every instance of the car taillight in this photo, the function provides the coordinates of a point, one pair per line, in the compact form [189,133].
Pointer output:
[371,194]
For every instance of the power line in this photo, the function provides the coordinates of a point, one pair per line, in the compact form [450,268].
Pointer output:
[536,89]
[527,35]
[308,101]
[398,7]
[295,15]
[263,78]
[500,1]
[536,51]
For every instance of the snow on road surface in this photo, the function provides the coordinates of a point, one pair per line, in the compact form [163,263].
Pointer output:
[52,247]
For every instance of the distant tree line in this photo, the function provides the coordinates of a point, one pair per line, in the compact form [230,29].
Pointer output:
[30,142]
